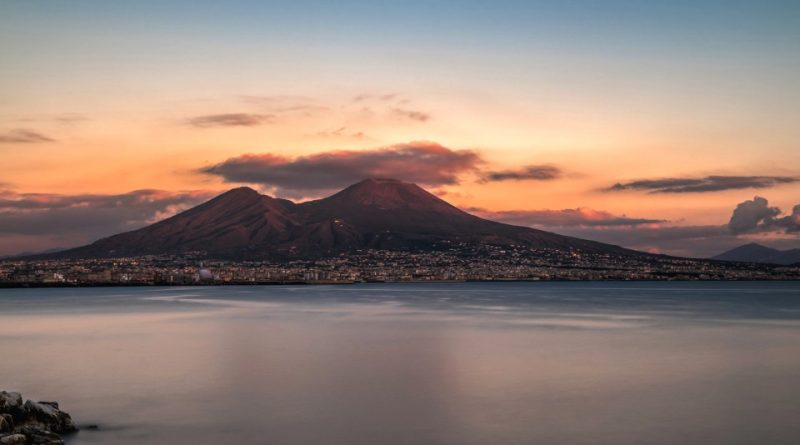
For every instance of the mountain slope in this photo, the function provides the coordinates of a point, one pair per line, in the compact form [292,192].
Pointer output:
[234,220]
[374,213]
[756,253]
[393,214]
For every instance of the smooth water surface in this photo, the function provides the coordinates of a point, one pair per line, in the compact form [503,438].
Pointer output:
[474,363]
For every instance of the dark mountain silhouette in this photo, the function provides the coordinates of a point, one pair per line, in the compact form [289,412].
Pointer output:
[374,213]
[756,253]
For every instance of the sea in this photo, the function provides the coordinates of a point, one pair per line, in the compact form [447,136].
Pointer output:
[573,363]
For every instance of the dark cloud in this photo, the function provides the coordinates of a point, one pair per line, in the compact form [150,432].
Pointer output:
[229,120]
[701,185]
[580,217]
[791,222]
[757,216]
[412,114]
[23,136]
[748,215]
[531,172]
[78,219]
[422,162]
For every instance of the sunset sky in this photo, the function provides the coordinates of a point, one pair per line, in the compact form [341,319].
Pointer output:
[639,123]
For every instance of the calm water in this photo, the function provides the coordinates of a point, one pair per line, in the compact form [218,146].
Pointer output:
[510,363]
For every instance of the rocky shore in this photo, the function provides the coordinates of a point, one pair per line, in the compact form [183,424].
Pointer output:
[32,423]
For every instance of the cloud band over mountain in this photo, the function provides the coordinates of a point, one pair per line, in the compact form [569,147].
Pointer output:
[420,162]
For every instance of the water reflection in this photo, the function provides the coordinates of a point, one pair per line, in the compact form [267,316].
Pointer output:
[511,363]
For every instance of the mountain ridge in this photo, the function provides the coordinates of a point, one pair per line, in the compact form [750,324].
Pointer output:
[375,213]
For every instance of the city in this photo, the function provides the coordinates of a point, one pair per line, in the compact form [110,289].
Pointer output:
[462,262]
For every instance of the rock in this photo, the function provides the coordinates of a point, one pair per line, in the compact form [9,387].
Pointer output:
[11,403]
[49,416]
[13,439]
[6,423]
[38,436]
[32,423]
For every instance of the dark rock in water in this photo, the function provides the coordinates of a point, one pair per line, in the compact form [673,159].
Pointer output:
[13,439]
[32,423]
[38,436]
[49,417]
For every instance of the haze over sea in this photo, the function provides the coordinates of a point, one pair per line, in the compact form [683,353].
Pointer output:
[473,363]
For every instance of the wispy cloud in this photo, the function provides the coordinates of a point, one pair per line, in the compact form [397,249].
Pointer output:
[342,132]
[414,115]
[70,118]
[282,99]
[287,105]
[702,185]
[377,97]
[23,136]
[530,172]
[423,162]
[229,120]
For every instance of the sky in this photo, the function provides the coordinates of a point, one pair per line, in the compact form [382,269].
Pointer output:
[662,126]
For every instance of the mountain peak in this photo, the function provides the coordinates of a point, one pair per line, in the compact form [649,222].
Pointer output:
[386,194]
[240,191]
[376,180]
[378,183]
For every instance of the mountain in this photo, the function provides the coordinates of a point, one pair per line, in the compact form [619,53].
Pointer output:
[374,213]
[756,253]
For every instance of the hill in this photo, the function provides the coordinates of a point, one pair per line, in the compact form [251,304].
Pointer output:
[756,253]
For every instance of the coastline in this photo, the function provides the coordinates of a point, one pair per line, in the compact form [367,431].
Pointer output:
[346,283]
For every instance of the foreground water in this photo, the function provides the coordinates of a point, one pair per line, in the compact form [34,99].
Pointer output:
[505,363]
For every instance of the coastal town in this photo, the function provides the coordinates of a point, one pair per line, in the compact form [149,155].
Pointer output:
[457,263]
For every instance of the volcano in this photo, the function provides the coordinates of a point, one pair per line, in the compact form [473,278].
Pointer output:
[373,214]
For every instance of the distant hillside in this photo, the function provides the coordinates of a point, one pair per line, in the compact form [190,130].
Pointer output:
[28,254]
[372,214]
[756,253]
